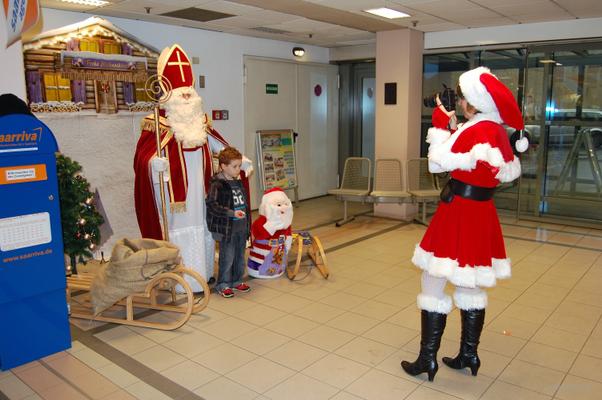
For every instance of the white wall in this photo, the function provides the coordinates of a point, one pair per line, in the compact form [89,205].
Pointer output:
[12,77]
[360,52]
[523,33]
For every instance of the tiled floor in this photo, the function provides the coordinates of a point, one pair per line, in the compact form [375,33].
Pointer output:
[343,338]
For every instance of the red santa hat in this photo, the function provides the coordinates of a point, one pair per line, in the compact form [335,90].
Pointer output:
[488,94]
[270,196]
[175,66]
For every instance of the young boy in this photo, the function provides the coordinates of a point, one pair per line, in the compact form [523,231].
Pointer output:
[228,219]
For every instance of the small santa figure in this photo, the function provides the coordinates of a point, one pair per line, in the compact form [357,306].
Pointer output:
[272,236]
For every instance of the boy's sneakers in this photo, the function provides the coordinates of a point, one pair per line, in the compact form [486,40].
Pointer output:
[243,287]
[227,292]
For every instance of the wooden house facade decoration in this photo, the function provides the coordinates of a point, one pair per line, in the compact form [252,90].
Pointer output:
[91,65]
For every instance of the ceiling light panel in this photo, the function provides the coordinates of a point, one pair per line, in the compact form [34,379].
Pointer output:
[387,13]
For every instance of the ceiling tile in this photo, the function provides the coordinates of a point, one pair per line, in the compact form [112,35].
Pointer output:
[235,22]
[443,7]
[271,17]
[582,8]
[229,7]
[533,8]
[349,5]
[496,3]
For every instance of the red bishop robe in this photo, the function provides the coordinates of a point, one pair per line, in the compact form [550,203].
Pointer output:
[147,212]
[185,193]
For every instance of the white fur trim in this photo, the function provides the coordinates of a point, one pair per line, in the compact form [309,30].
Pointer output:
[475,92]
[434,304]
[247,166]
[467,276]
[466,300]
[255,274]
[501,267]
[509,171]
[436,136]
[441,158]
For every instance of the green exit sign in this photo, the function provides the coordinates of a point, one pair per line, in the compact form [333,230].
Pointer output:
[271,88]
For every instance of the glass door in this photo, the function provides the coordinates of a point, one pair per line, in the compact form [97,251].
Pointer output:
[563,117]
[356,111]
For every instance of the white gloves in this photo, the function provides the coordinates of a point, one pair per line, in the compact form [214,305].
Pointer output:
[160,164]
[247,166]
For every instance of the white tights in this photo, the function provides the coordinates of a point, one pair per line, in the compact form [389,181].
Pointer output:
[433,297]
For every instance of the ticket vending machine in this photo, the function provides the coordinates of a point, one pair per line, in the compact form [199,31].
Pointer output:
[33,307]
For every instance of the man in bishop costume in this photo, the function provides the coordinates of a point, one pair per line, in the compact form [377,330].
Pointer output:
[187,144]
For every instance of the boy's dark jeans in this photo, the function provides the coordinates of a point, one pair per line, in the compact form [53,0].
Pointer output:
[231,261]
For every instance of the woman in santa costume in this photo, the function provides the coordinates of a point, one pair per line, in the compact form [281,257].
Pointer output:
[463,243]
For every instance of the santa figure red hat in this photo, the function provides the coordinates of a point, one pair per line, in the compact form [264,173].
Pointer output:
[272,235]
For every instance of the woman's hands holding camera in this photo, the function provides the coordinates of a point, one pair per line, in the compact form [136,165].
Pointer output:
[449,116]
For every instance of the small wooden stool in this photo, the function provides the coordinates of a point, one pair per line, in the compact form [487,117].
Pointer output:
[312,245]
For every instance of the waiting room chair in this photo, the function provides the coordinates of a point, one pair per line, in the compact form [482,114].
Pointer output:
[388,182]
[355,185]
[422,185]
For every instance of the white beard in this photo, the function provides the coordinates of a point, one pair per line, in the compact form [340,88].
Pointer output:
[186,117]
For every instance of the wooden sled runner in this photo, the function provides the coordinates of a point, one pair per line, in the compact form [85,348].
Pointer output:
[315,252]
[161,286]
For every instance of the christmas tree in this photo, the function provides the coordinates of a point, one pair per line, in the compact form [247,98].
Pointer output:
[79,218]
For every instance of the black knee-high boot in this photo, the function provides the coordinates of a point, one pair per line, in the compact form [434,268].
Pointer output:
[472,326]
[433,325]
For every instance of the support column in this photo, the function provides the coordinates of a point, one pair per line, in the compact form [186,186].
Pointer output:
[398,60]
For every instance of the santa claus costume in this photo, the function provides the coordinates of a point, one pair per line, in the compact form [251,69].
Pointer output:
[187,144]
[272,236]
[463,243]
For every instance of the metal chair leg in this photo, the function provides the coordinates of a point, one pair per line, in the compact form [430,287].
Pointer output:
[345,217]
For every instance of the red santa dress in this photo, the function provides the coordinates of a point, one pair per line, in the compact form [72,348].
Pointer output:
[464,241]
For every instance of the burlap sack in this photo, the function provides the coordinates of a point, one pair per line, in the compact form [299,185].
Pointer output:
[133,263]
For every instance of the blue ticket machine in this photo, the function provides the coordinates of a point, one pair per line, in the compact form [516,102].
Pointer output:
[33,307]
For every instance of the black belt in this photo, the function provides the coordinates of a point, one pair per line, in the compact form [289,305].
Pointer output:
[472,192]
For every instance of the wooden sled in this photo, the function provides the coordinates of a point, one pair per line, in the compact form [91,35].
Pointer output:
[315,252]
[161,286]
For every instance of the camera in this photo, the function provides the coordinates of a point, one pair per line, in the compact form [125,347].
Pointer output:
[447,97]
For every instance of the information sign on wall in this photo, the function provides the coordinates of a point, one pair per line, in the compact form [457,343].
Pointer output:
[276,154]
